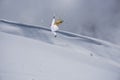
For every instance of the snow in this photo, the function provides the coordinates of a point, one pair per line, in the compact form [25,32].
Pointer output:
[9,28]
[95,18]
[31,53]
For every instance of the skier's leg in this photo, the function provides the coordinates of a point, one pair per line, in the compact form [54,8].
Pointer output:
[55,34]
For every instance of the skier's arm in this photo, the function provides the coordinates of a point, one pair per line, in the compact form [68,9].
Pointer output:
[53,21]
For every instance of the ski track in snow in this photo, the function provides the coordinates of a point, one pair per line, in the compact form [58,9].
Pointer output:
[64,33]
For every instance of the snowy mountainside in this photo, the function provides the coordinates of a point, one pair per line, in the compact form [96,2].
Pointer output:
[32,53]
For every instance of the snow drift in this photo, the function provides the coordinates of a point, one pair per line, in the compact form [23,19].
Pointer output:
[32,53]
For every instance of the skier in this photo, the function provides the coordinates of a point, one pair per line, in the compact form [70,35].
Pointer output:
[54,25]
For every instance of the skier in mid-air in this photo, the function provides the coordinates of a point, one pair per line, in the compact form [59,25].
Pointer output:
[54,25]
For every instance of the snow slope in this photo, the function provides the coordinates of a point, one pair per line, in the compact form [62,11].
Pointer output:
[32,53]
